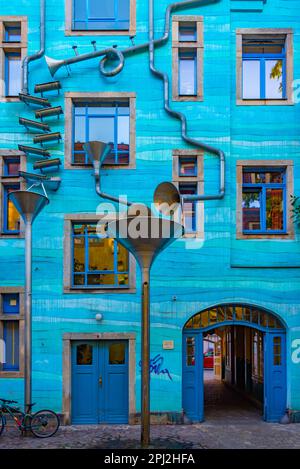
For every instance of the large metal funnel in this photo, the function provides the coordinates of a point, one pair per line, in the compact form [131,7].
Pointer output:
[167,198]
[29,204]
[97,152]
[53,65]
[145,237]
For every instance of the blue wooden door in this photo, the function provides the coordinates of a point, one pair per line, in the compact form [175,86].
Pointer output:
[84,389]
[275,376]
[113,392]
[99,382]
[192,376]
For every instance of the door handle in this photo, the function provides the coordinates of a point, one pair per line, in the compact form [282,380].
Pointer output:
[100,380]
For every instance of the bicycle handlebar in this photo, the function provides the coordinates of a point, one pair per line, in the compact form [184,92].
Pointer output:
[8,401]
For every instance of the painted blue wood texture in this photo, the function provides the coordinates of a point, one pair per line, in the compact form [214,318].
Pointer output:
[189,276]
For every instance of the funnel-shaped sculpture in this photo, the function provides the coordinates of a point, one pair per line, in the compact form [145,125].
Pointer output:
[97,152]
[29,205]
[53,65]
[167,198]
[145,237]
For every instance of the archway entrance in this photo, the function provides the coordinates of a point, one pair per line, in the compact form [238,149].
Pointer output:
[241,347]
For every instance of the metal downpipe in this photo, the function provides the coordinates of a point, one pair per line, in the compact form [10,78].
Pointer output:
[37,55]
[178,115]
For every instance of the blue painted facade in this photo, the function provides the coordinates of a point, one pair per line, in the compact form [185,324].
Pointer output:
[216,270]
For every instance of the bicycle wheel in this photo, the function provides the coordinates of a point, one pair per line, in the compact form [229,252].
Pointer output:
[44,423]
[2,423]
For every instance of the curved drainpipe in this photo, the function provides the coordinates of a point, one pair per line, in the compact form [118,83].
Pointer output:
[176,114]
[37,55]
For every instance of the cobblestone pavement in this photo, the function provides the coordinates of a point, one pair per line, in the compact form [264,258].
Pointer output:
[230,422]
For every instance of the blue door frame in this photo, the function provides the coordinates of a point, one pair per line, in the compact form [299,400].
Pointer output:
[100,383]
[274,372]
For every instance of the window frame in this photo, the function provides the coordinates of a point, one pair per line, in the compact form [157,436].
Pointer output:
[198,180]
[262,189]
[69,31]
[288,165]
[87,272]
[8,47]
[288,72]
[71,98]
[8,56]
[71,219]
[179,47]
[7,181]
[13,317]
[114,115]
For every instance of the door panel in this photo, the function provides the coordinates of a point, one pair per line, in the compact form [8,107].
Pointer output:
[275,376]
[192,376]
[100,382]
[116,382]
[84,386]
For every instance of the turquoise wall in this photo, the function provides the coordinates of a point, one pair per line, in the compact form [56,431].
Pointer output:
[219,268]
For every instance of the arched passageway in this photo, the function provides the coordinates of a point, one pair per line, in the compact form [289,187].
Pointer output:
[234,355]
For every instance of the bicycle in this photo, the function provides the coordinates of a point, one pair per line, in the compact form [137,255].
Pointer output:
[42,424]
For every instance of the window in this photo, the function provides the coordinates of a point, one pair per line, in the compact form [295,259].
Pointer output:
[187,75]
[11,217]
[257,355]
[105,121]
[190,351]
[187,31]
[11,166]
[188,166]
[105,16]
[97,262]
[12,73]
[13,49]
[11,332]
[263,199]
[108,117]
[228,349]
[189,208]
[188,178]
[265,73]
[187,58]
[12,32]
[264,195]
[11,162]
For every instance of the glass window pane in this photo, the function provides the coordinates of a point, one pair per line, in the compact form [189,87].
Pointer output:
[190,351]
[251,79]
[117,353]
[277,351]
[274,206]
[273,77]
[13,80]
[84,354]
[79,254]
[102,129]
[11,340]
[11,166]
[103,9]
[123,132]
[123,10]
[251,206]
[187,166]
[238,313]
[12,222]
[12,33]
[101,280]
[187,32]
[80,12]
[10,303]
[101,254]
[187,75]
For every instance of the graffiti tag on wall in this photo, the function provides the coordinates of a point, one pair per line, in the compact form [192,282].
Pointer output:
[156,366]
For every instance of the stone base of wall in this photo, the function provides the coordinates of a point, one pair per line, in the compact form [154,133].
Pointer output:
[161,418]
